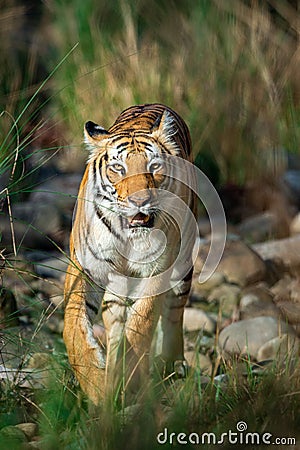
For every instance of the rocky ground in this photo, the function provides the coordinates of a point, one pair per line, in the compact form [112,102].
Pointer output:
[249,308]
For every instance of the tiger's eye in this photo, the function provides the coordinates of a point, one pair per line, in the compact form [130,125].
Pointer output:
[155,166]
[117,168]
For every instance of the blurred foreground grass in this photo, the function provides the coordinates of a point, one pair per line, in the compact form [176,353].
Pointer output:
[266,401]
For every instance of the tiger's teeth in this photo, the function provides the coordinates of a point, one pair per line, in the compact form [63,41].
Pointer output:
[140,219]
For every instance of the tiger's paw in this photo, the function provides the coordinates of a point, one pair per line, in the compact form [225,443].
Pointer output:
[180,368]
[170,369]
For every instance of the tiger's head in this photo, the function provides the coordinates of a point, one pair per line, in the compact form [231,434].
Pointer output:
[128,167]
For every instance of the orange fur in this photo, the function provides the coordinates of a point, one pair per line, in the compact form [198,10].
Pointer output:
[129,324]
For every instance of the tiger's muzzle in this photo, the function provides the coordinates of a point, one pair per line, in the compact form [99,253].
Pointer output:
[138,220]
[139,203]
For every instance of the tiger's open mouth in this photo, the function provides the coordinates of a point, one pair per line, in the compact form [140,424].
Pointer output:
[138,220]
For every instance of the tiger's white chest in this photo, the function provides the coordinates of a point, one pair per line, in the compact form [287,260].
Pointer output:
[146,251]
[124,253]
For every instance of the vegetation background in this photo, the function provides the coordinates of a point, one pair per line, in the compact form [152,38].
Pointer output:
[231,69]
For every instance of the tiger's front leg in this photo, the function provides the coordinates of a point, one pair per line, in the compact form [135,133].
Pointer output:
[114,319]
[130,329]
[172,328]
[86,356]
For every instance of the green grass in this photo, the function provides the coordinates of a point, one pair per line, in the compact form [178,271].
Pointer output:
[268,403]
[229,69]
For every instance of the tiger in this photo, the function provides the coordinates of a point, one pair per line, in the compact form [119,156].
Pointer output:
[131,220]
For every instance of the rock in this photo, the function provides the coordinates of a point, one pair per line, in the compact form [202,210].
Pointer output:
[214,281]
[259,227]
[252,306]
[260,290]
[257,302]
[200,290]
[259,368]
[246,337]
[197,360]
[228,297]
[17,271]
[281,348]
[221,381]
[130,414]
[55,325]
[280,290]
[287,250]
[53,267]
[290,311]
[39,361]
[12,435]
[36,445]
[42,369]
[51,290]
[60,191]
[206,343]
[205,364]
[240,264]
[195,319]
[287,298]
[30,429]
[295,225]
[33,223]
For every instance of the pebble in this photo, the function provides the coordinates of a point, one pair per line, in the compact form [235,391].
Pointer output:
[36,445]
[240,264]
[246,337]
[51,289]
[206,342]
[12,436]
[280,289]
[256,304]
[221,380]
[33,222]
[216,279]
[194,319]
[290,311]
[198,360]
[287,298]
[295,225]
[55,325]
[30,429]
[61,192]
[53,267]
[259,227]
[286,250]
[282,348]
[39,361]
[260,290]
[227,295]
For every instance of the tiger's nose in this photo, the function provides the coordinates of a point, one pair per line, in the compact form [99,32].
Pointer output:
[140,198]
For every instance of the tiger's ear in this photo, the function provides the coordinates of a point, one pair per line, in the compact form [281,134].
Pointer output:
[164,126]
[93,133]
[164,129]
